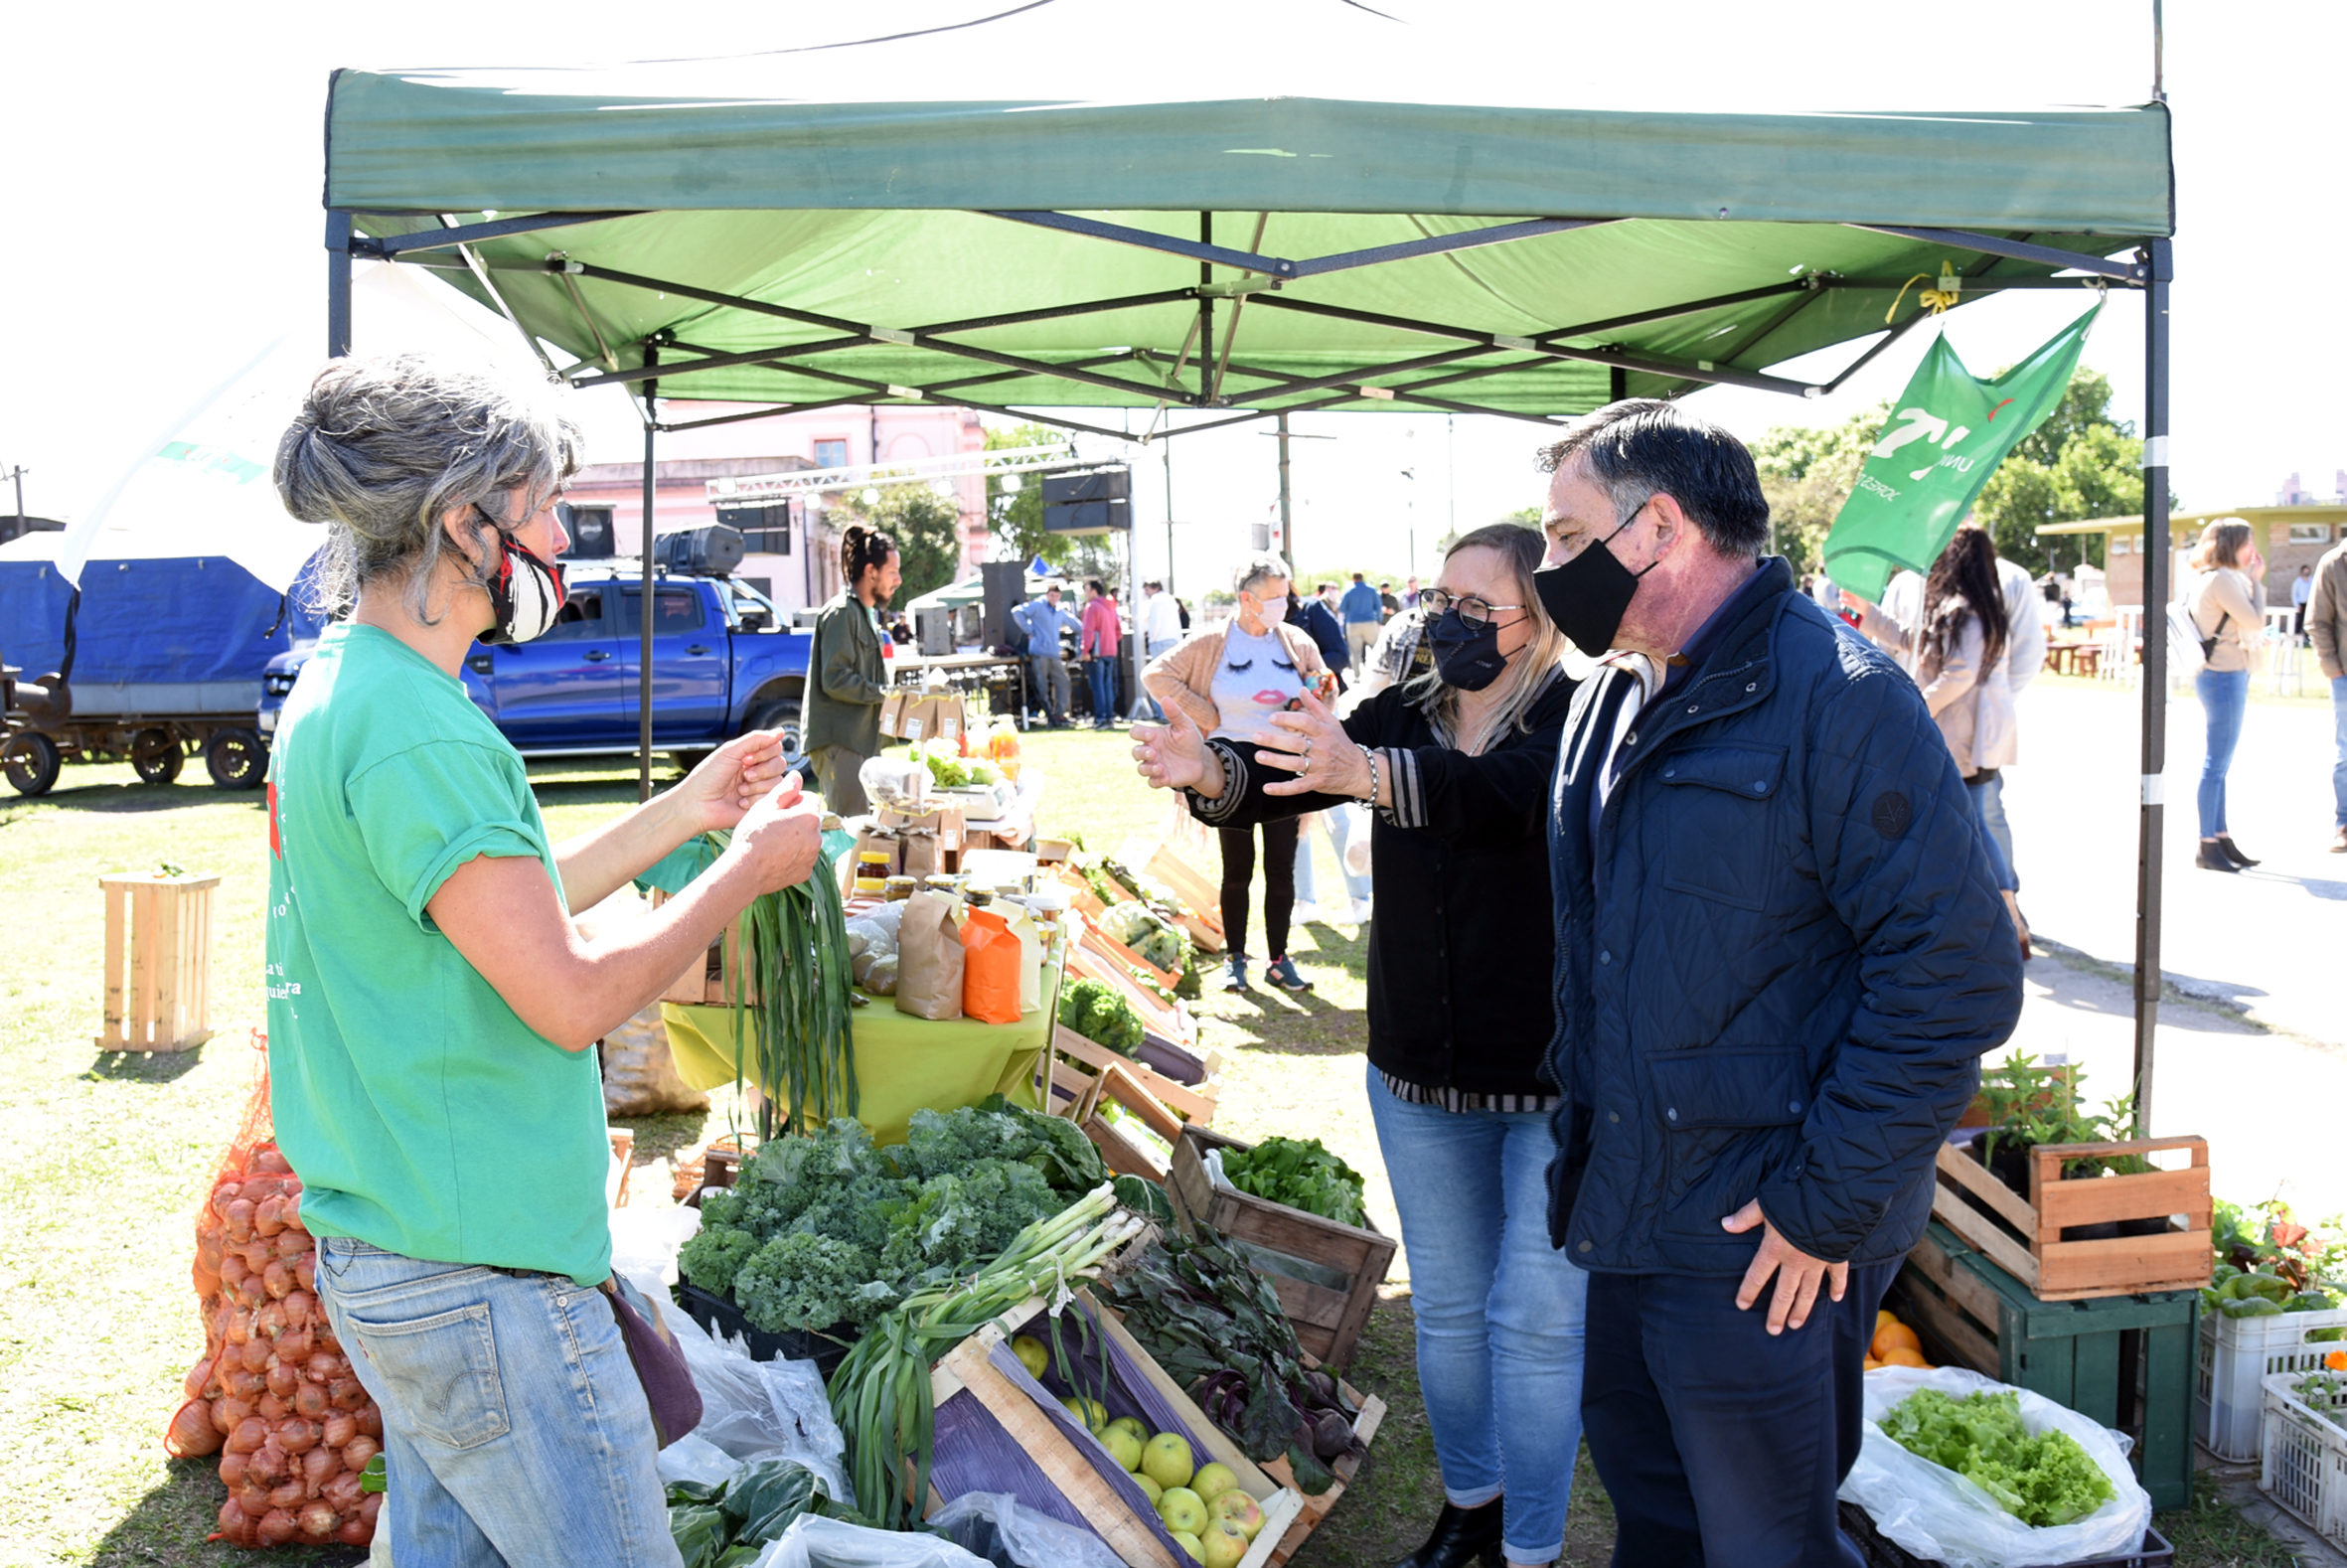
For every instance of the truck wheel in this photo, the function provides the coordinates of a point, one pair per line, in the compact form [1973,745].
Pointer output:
[157,756]
[31,761]
[687,762]
[782,715]
[235,758]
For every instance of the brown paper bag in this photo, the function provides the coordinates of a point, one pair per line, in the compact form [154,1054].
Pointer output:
[943,820]
[893,713]
[948,718]
[930,957]
[886,844]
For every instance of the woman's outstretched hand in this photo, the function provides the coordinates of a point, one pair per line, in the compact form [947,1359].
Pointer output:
[1174,755]
[1316,748]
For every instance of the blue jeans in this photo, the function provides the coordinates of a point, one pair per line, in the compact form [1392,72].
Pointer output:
[1986,794]
[1718,1442]
[2225,698]
[1500,1310]
[1989,804]
[1335,822]
[1101,672]
[514,1429]
[2339,767]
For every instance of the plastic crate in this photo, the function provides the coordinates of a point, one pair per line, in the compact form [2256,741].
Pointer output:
[2306,1463]
[2235,1356]
[1881,1553]
[725,1321]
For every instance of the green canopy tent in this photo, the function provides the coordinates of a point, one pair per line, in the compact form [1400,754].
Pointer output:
[759,231]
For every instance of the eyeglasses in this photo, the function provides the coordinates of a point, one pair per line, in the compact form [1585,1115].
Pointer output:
[1474,611]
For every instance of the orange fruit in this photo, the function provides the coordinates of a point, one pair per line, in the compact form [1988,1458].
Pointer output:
[1871,1364]
[1901,1355]
[1894,1336]
[1884,1318]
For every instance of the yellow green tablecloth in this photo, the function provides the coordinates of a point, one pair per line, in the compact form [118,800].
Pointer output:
[904,1064]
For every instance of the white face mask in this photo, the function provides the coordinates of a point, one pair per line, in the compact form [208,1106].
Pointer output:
[1273,610]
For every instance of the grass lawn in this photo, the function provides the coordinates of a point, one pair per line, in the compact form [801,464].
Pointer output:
[97,1320]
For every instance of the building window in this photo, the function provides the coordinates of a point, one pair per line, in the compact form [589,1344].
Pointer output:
[830,454]
[2310,533]
[2123,544]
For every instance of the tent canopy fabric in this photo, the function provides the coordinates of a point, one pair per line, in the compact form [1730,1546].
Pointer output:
[787,236]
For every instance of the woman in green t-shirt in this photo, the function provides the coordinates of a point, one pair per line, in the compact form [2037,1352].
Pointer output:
[431,1006]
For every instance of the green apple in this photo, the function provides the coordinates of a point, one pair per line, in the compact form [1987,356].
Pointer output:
[1091,1412]
[1167,1460]
[1181,1510]
[1128,1424]
[1031,1353]
[1124,1444]
[1190,1545]
[1238,1509]
[1212,1481]
[1225,1544]
[1150,1489]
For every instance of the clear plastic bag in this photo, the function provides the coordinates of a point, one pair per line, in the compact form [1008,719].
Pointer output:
[1939,1516]
[1006,1532]
[815,1543]
[696,1459]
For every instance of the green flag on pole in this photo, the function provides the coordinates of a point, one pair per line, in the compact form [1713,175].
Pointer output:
[1945,435]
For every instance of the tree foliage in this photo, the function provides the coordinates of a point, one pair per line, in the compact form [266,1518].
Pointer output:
[927,528]
[1014,516]
[1807,472]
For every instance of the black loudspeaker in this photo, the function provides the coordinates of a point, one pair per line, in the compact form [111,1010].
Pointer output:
[1006,590]
[592,534]
[1098,502]
[765,529]
[700,552]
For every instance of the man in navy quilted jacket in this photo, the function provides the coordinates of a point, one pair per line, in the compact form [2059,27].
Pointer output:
[1779,958]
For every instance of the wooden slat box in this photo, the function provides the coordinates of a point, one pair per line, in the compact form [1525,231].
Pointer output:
[2057,1270]
[158,962]
[2129,1361]
[1327,1274]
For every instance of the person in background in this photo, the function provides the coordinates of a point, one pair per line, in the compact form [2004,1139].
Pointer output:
[1228,684]
[433,1010]
[1318,616]
[1103,638]
[843,703]
[2301,591]
[1161,629]
[1387,605]
[901,630]
[1959,643]
[2326,629]
[1362,614]
[1781,956]
[1401,652]
[1044,622]
[1182,605]
[2025,656]
[2226,598]
[1455,764]
[1410,594]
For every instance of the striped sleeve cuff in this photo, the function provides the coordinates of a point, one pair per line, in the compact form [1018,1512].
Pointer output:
[1400,765]
[1216,813]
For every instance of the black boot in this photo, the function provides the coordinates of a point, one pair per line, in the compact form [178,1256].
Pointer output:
[1461,1535]
[2232,850]
[2212,857]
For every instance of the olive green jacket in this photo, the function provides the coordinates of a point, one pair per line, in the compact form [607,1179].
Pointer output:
[845,680]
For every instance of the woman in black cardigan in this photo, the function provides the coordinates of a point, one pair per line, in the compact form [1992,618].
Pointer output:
[1462,1005]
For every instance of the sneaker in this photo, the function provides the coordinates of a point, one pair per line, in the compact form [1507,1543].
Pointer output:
[1359,913]
[2339,842]
[1280,972]
[1234,975]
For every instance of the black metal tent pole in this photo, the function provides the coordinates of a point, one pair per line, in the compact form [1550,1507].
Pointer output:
[2158,269]
[644,604]
[338,284]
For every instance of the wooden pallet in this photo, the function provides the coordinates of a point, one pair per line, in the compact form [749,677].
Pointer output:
[1327,1274]
[2057,1270]
[1063,1455]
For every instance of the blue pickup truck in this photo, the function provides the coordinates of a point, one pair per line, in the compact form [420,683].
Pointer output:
[722,662]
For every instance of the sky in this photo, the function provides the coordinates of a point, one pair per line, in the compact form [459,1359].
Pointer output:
[162,219]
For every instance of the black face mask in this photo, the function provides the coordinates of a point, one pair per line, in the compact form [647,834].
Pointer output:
[1587,595]
[1467,657]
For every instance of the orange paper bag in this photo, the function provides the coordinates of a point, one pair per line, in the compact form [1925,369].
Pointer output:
[990,969]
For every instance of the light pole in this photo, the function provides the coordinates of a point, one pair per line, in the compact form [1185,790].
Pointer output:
[1410,567]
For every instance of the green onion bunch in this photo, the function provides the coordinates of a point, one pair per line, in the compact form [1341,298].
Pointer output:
[793,1021]
[881,1393]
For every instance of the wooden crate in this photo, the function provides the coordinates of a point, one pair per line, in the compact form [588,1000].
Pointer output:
[1364,1427]
[2129,1361]
[1070,1461]
[1109,947]
[1327,1274]
[2057,1270]
[1195,1103]
[1200,896]
[158,962]
[623,1153]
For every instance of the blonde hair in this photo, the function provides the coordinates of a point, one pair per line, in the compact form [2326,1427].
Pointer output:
[2221,544]
[1527,674]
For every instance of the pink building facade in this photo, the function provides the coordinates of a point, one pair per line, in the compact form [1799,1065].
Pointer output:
[806,573]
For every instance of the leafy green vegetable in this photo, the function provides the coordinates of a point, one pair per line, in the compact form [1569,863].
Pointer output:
[2039,1479]
[1301,1174]
[1099,1012]
[729,1525]
[702,1532]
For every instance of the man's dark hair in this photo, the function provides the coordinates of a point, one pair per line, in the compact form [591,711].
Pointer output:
[1094,585]
[1642,447]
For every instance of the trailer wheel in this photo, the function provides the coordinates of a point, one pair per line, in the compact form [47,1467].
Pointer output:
[157,755]
[31,761]
[235,758]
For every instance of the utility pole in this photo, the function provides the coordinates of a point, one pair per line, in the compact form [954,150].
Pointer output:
[1287,518]
[1168,451]
[18,474]
[1451,466]
[1410,569]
